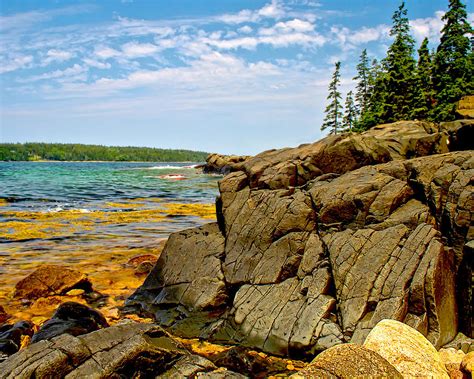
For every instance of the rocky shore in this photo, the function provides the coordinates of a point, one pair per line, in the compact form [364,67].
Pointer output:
[355,251]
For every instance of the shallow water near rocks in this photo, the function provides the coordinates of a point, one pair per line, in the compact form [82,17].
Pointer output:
[93,217]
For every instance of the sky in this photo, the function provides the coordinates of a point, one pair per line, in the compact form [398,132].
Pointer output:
[228,76]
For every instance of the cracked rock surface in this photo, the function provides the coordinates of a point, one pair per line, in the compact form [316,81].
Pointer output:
[128,350]
[315,245]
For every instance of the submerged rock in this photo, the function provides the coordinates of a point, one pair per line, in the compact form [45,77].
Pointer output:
[50,280]
[317,244]
[406,349]
[71,318]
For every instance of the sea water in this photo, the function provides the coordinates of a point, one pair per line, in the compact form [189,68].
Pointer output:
[91,214]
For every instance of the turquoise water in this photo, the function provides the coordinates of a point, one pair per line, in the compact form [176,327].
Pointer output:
[91,214]
[66,185]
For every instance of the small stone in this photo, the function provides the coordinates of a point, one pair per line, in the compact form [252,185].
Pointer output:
[75,292]
[290,367]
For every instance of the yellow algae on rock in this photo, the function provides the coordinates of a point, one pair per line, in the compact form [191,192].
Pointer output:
[206,211]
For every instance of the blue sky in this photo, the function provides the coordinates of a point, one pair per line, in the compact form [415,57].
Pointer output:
[215,75]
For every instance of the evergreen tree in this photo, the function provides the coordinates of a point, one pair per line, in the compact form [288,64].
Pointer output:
[424,93]
[362,95]
[350,115]
[453,73]
[398,84]
[333,111]
[372,115]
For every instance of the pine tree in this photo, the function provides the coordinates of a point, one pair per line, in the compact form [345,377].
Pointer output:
[349,121]
[424,94]
[453,73]
[398,85]
[362,95]
[333,111]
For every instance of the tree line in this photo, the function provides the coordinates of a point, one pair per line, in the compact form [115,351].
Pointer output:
[400,87]
[80,152]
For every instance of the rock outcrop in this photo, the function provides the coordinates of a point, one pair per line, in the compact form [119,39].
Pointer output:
[223,164]
[465,107]
[315,245]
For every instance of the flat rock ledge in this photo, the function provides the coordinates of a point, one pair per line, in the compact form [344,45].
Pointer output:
[315,245]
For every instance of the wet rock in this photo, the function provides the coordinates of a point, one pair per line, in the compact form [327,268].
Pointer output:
[137,259]
[349,361]
[144,268]
[187,274]
[127,350]
[223,164]
[49,280]
[71,318]
[467,364]
[406,349]
[221,373]
[4,316]
[11,337]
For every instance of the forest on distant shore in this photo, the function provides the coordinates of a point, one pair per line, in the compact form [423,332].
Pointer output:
[79,152]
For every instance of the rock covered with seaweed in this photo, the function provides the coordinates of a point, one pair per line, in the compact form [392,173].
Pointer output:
[315,245]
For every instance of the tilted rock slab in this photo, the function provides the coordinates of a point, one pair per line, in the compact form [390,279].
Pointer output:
[315,245]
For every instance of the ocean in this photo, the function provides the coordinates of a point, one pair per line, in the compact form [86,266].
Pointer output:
[94,216]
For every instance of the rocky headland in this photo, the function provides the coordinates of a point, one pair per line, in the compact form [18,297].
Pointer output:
[357,249]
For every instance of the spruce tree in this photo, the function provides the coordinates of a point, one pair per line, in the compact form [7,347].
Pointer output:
[333,111]
[398,85]
[453,73]
[363,83]
[349,122]
[424,94]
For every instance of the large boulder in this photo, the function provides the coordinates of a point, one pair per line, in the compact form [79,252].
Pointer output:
[406,349]
[315,245]
[348,361]
[50,280]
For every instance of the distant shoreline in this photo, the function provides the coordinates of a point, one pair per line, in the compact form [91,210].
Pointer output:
[53,161]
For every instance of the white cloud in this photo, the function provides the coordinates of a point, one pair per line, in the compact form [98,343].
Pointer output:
[136,49]
[106,52]
[69,74]
[274,10]
[245,29]
[428,27]
[97,64]
[294,25]
[54,55]
[15,63]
